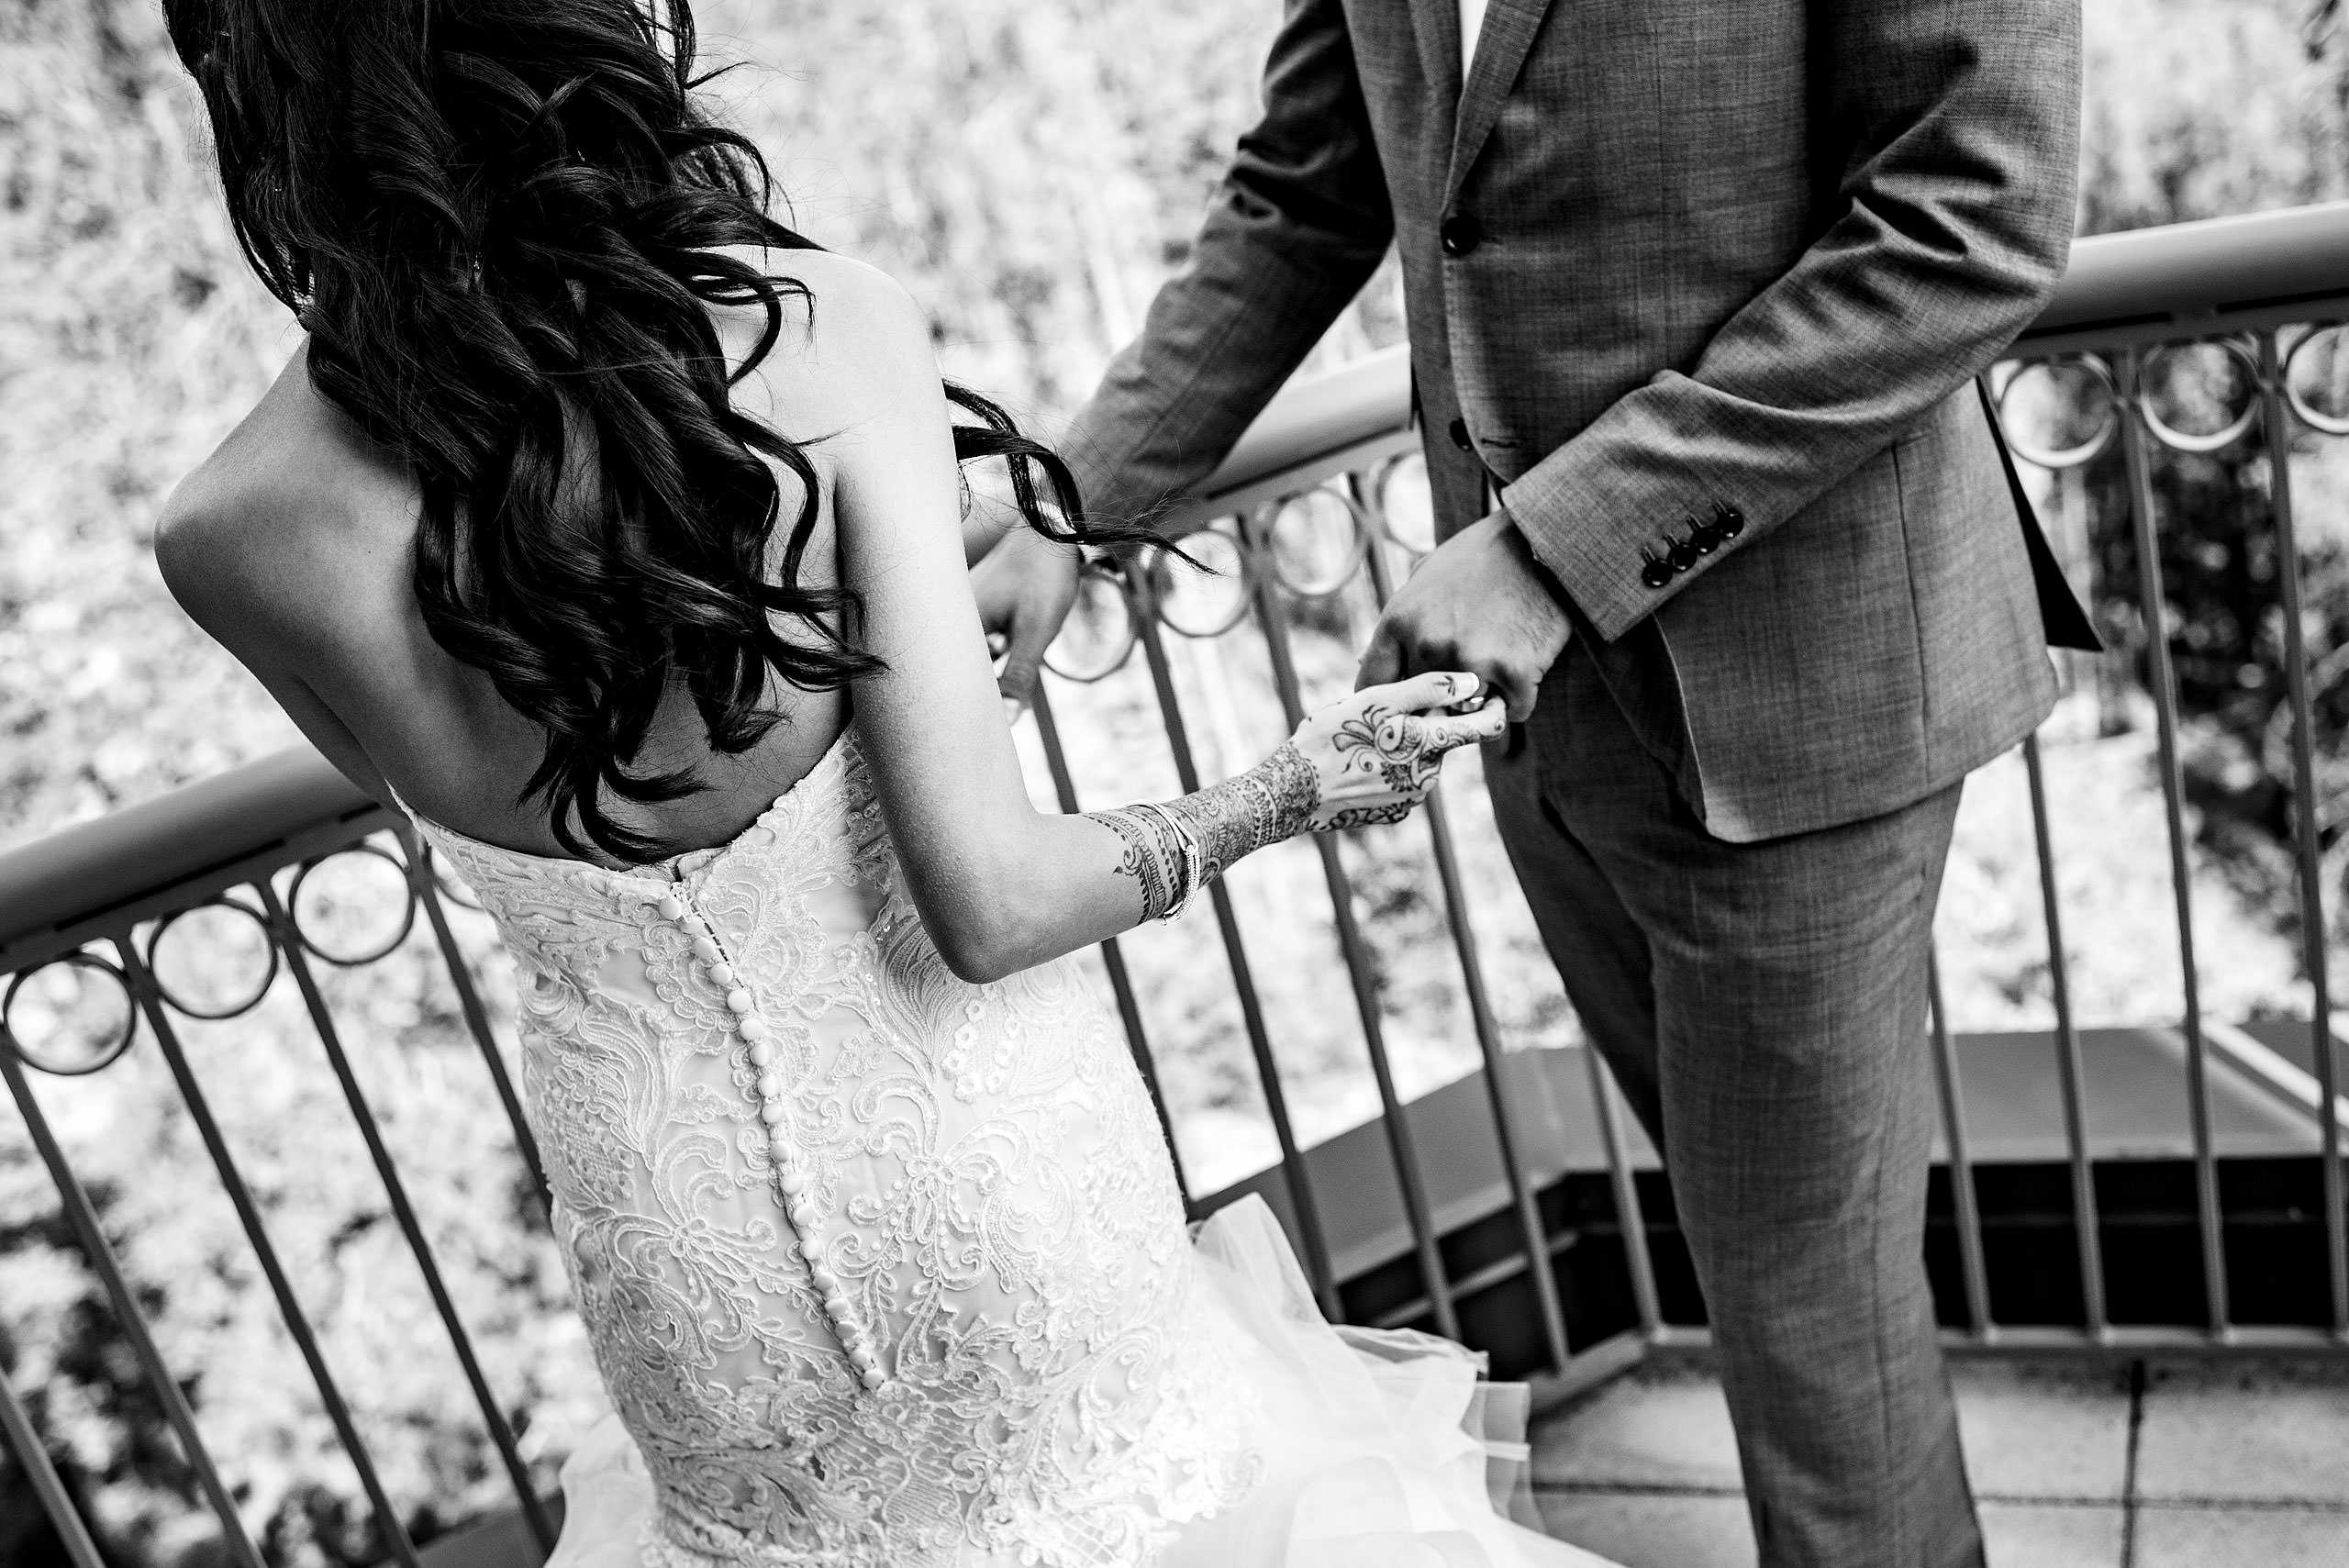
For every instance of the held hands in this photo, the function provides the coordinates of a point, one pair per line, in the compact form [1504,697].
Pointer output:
[1375,755]
[1367,758]
[1479,604]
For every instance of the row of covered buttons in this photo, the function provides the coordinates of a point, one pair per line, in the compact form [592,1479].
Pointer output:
[1679,555]
[791,1181]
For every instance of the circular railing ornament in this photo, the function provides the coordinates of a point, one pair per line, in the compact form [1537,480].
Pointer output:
[2100,385]
[339,904]
[1406,503]
[1313,542]
[2335,371]
[2196,441]
[70,1018]
[213,960]
[1200,604]
[1099,634]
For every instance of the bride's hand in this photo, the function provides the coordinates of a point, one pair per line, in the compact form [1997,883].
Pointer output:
[1376,754]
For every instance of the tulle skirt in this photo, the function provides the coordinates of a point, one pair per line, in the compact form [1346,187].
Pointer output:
[1381,1448]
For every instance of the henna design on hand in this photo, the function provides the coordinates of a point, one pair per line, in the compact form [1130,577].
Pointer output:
[1278,799]
[1375,816]
[1393,745]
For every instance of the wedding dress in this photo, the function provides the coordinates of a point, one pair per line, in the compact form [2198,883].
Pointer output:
[887,1269]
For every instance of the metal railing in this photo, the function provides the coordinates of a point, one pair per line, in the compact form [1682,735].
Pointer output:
[1310,510]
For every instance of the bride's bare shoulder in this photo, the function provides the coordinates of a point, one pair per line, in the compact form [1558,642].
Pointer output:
[855,350]
[293,502]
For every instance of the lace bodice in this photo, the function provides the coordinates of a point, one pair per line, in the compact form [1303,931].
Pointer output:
[982,1163]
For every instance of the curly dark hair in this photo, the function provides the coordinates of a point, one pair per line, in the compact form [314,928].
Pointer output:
[501,223]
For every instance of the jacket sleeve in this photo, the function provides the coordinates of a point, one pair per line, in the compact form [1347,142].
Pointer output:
[1293,230]
[1954,219]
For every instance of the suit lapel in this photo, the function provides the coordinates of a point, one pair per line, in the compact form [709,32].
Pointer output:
[1509,26]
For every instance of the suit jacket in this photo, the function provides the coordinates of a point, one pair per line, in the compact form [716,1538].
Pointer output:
[1678,272]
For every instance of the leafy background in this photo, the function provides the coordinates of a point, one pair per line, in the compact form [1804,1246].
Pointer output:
[1030,169]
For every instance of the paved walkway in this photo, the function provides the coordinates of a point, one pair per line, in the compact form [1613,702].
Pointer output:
[2225,1465]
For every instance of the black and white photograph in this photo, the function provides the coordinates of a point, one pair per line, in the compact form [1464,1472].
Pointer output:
[1174,783]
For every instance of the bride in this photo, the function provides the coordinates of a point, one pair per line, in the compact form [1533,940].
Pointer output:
[616,535]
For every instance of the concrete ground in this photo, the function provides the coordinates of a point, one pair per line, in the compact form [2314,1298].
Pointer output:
[2208,1465]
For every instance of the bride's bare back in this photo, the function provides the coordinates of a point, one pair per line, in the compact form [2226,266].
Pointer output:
[293,545]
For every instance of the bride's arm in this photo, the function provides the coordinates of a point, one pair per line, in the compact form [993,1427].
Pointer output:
[1000,885]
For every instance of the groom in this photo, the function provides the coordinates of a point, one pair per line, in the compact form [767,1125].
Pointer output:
[1696,289]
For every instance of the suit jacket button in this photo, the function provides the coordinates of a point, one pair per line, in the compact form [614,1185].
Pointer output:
[1731,520]
[1460,234]
[1657,572]
[1458,431]
[1684,555]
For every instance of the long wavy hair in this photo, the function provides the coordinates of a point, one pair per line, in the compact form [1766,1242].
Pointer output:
[502,223]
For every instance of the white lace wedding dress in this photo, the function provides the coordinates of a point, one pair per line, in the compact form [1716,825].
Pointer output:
[886,1270]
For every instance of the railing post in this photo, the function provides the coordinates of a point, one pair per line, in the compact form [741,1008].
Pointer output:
[2163,680]
[460,977]
[1532,1233]
[1630,1216]
[1960,1158]
[17,1431]
[501,1434]
[1312,1240]
[2277,432]
[2088,1227]
[1357,956]
[83,1217]
[150,998]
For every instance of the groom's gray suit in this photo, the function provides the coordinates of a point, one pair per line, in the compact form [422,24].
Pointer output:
[1697,287]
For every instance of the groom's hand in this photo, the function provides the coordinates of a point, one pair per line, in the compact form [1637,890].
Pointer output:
[1025,585]
[1480,603]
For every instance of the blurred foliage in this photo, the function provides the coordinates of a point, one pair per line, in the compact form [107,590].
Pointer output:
[1030,169]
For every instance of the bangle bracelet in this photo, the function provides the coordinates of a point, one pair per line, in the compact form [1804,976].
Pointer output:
[1195,865]
[1187,875]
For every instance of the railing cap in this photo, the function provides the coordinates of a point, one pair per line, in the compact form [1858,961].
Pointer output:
[2202,275]
[128,857]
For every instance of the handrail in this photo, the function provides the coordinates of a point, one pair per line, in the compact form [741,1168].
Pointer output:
[2188,278]
[1316,416]
[2181,279]
[113,869]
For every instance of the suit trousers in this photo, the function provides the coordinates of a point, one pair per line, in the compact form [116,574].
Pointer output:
[1763,1007]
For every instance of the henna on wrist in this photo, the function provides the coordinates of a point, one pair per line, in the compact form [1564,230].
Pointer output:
[1174,850]
[1272,801]
[1145,858]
